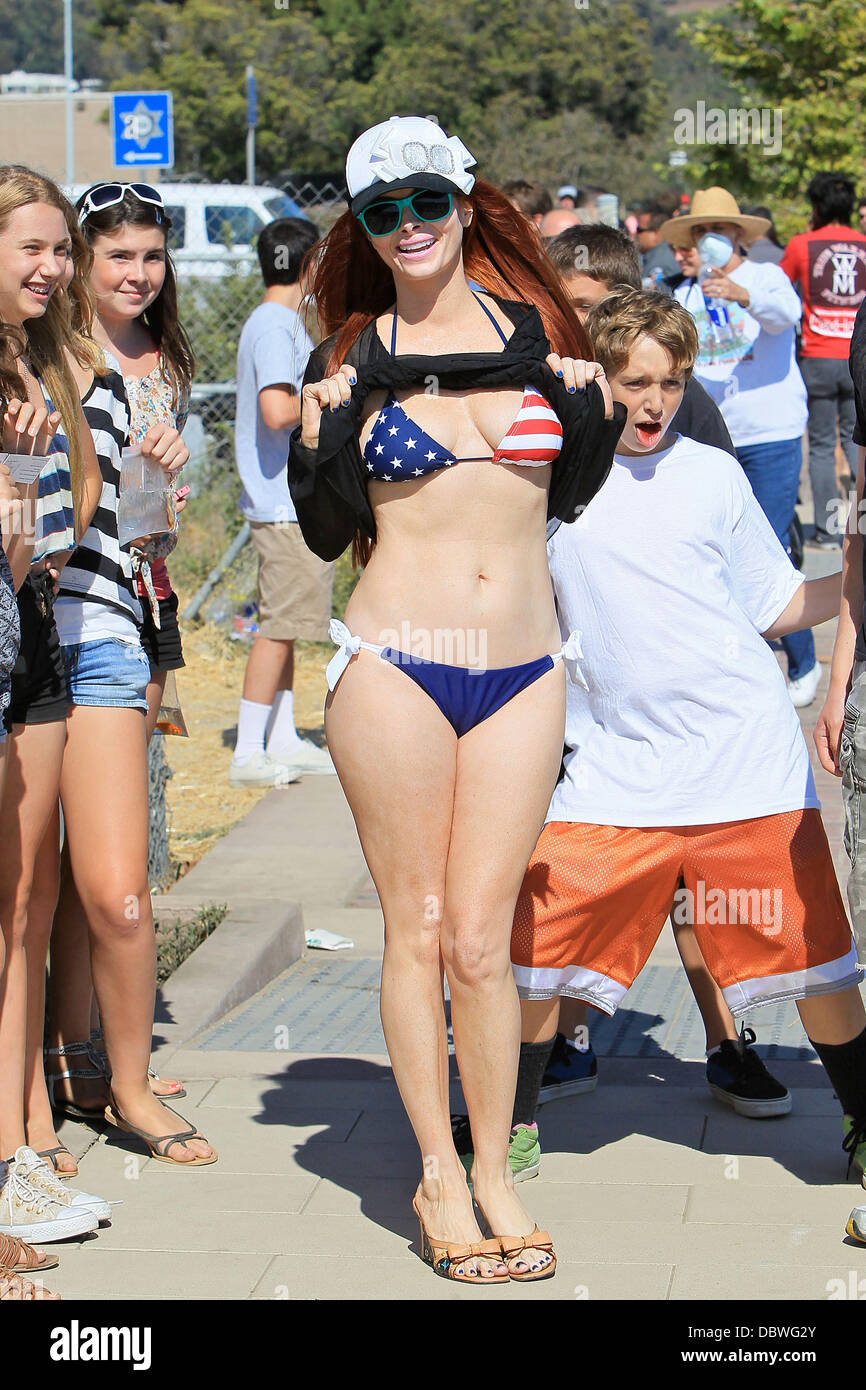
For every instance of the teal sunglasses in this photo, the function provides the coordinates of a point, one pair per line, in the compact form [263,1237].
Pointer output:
[383,217]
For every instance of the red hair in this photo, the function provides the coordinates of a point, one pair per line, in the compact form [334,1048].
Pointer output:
[352,286]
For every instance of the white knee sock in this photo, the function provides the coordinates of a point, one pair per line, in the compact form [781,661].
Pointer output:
[252,719]
[282,735]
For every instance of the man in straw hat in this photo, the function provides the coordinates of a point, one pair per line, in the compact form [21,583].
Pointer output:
[748,365]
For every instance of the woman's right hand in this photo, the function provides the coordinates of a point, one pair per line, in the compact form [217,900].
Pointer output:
[576,373]
[330,393]
[28,428]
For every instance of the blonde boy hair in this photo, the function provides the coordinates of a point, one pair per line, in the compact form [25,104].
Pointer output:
[617,321]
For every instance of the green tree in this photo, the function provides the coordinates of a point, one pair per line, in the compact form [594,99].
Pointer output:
[806,58]
[327,70]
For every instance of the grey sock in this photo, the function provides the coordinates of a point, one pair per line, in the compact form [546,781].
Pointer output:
[534,1058]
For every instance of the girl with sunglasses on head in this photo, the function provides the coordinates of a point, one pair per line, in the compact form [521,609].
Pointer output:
[133,283]
[37,349]
[100,619]
[430,287]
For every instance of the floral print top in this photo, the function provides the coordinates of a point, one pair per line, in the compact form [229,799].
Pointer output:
[151,403]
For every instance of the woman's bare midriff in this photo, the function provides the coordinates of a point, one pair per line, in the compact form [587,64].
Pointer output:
[459,573]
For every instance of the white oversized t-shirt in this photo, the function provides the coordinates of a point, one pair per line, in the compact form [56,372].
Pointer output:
[670,575]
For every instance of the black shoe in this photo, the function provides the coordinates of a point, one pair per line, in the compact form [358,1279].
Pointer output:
[570,1071]
[737,1076]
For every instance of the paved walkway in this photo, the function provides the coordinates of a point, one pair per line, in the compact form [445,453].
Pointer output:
[653,1189]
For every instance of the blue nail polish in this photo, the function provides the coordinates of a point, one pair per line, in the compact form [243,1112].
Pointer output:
[559,373]
[571,390]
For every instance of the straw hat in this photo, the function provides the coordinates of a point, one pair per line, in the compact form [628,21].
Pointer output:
[711,205]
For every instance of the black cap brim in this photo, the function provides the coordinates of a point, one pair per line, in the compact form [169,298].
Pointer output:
[439,183]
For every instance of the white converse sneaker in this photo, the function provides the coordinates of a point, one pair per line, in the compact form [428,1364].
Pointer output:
[41,1175]
[261,770]
[33,1216]
[804,690]
[306,758]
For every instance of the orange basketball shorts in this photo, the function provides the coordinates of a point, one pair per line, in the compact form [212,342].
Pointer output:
[761,894]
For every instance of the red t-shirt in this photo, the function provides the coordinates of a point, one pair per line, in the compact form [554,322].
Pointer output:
[830,266]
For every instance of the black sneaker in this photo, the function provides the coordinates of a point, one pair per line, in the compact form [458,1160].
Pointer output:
[570,1071]
[737,1076]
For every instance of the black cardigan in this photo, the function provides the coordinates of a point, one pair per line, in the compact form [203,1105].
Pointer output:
[329,484]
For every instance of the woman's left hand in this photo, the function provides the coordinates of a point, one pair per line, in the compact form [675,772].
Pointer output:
[164,445]
[576,374]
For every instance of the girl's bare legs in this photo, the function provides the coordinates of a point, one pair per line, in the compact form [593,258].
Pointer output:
[38,1119]
[396,756]
[34,753]
[70,992]
[104,784]
[499,807]
[72,1006]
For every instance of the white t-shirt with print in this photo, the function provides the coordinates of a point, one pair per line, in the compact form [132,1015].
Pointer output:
[754,379]
[671,574]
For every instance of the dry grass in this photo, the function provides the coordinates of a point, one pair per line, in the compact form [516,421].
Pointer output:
[202,806]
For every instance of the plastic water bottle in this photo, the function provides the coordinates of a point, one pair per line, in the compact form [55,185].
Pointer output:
[717,310]
[245,623]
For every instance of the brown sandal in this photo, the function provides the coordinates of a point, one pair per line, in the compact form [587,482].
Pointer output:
[51,1157]
[444,1259]
[513,1246]
[14,1288]
[159,1144]
[17,1257]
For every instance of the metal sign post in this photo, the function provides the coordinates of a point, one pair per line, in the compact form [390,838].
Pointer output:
[67,71]
[252,120]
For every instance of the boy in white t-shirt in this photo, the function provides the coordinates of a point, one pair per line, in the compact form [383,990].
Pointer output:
[687,783]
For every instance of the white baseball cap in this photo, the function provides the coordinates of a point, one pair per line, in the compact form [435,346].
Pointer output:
[406,152]
[567,190]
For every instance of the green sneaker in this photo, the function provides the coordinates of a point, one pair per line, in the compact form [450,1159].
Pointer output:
[854,1144]
[524,1150]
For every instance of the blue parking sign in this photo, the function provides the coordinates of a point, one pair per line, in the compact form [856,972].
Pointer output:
[143,127]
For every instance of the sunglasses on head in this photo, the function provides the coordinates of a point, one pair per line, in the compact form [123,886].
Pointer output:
[107,195]
[384,216]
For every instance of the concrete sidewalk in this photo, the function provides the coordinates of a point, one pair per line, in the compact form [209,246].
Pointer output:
[651,1189]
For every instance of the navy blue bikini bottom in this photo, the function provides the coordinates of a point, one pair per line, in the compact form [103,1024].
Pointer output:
[465,696]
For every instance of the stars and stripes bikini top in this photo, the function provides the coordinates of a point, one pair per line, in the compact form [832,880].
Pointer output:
[398,449]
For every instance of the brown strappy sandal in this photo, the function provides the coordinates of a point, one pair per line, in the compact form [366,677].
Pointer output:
[513,1246]
[159,1144]
[445,1259]
[17,1257]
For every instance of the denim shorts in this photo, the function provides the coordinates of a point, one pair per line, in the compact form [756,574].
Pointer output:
[107,672]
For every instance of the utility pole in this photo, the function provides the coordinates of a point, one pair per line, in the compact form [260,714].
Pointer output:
[67,70]
[252,118]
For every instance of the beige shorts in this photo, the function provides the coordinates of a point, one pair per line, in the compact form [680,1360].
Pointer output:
[295,586]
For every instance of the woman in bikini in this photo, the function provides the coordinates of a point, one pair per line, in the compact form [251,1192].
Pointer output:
[448,773]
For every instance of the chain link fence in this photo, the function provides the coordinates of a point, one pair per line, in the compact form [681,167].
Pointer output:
[218,289]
